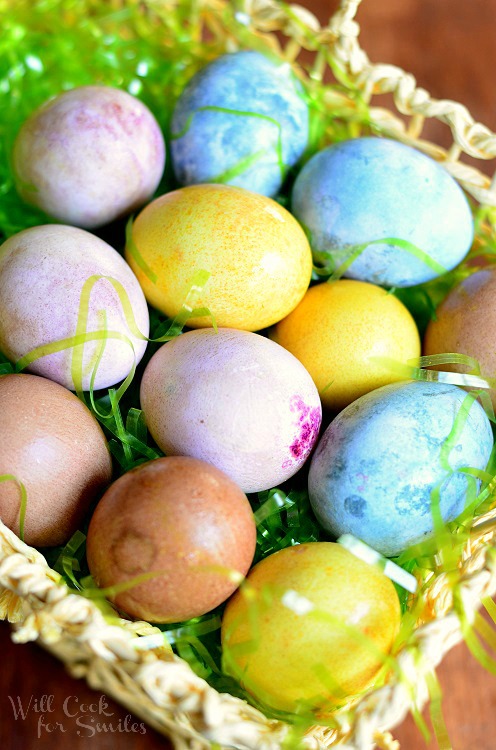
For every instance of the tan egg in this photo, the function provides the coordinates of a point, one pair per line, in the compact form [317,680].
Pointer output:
[466,324]
[184,522]
[53,445]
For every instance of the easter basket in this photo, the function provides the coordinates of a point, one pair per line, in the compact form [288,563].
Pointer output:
[130,660]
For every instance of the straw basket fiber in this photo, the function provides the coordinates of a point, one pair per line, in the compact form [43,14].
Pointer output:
[129,661]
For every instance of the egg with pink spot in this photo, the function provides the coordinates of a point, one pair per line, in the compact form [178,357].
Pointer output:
[234,399]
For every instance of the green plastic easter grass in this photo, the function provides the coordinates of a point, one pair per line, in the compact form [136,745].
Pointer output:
[478,634]
[69,560]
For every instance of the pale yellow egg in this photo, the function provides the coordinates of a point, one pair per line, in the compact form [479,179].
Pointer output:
[311,627]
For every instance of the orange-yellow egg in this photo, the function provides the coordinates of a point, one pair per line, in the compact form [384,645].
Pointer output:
[350,335]
[256,253]
[311,627]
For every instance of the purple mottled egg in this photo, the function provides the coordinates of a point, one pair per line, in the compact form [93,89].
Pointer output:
[59,282]
[89,155]
[234,399]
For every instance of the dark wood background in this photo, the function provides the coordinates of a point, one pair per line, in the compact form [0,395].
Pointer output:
[450,46]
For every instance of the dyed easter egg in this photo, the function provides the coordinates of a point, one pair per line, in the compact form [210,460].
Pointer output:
[57,282]
[242,120]
[310,628]
[53,445]
[180,524]
[370,189]
[344,333]
[89,156]
[234,399]
[256,253]
[377,468]
[465,323]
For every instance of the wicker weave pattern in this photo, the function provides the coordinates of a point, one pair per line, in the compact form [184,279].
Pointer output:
[163,690]
[151,681]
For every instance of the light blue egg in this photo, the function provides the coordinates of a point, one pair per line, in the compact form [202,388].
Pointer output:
[376,466]
[372,189]
[242,120]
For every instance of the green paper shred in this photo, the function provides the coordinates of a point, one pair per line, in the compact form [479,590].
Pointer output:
[68,562]
[136,255]
[23,500]
[249,160]
[436,712]
[334,263]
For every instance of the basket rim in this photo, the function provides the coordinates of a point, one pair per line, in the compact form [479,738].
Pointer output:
[164,691]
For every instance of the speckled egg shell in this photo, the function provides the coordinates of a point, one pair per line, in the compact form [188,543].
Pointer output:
[378,462]
[234,399]
[309,610]
[180,520]
[370,189]
[254,151]
[256,253]
[42,274]
[54,446]
[89,155]
[465,323]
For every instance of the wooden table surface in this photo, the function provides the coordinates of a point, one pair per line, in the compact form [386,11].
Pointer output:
[450,46]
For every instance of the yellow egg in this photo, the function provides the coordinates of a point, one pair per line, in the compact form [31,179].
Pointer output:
[257,255]
[343,332]
[310,628]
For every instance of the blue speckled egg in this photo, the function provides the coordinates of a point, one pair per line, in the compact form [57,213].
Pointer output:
[377,464]
[369,189]
[242,120]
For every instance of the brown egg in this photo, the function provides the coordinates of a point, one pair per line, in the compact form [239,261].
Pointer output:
[182,519]
[51,443]
[466,324]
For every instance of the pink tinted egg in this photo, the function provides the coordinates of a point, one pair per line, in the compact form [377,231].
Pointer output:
[234,399]
[57,282]
[89,156]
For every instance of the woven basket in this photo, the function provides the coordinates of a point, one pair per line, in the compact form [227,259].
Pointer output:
[145,676]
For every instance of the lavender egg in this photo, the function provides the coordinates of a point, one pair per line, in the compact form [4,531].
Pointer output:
[234,399]
[376,467]
[89,155]
[241,120]
[365,190]
[47,296]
